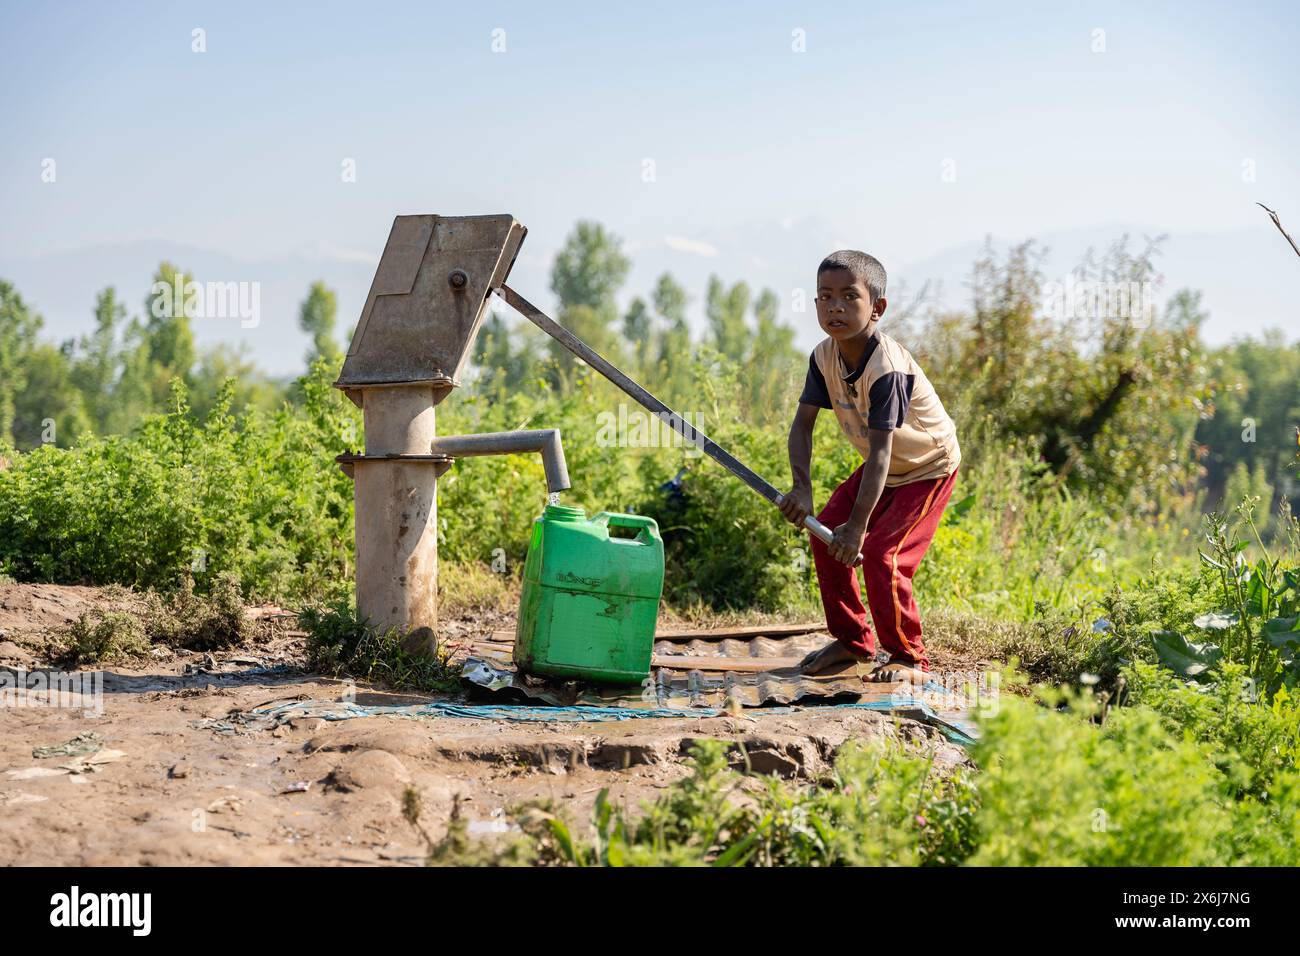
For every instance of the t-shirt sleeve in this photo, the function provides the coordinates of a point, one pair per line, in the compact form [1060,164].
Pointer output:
[889,398]
[814,387]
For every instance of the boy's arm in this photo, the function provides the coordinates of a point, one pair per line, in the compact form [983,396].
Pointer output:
[798,504]
[849,536]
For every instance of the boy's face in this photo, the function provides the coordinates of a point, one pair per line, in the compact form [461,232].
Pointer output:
[844,306]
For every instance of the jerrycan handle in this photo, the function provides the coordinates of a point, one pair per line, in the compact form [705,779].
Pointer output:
[649,527]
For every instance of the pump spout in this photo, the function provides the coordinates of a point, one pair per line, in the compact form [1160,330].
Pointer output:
[543,440]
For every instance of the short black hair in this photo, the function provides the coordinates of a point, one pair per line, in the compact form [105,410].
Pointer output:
[864,267]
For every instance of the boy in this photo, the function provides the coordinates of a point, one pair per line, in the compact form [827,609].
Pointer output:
[890,507]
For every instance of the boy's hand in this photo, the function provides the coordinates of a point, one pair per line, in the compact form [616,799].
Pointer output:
[847,543]
[796,504]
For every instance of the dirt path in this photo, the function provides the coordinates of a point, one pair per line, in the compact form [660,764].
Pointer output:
[167,787]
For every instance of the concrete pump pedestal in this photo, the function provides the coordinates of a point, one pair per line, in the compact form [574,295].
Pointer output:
[397,545]
[395,488]
[424,309]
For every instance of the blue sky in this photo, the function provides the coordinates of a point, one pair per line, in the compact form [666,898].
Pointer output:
[239,149]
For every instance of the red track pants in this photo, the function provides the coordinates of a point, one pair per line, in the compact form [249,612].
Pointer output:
[898,534]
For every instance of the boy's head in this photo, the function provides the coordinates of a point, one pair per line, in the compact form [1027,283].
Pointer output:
[850,294]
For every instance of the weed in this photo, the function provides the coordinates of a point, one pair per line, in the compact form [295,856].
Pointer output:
[1250,743]
[197,622]
[1251,618]
[884,805]
[338,642]
[104,637]
[470,587]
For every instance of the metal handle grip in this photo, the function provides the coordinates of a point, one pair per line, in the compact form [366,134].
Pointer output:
[819,530]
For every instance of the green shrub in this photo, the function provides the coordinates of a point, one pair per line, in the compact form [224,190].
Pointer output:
[106,637]
[1251,743]
[1057,789]
[261,498]
[1234,610]
[198,622]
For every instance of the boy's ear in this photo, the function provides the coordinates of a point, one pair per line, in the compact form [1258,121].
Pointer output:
[879,305]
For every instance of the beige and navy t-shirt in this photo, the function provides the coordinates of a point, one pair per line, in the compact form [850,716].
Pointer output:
[887,390]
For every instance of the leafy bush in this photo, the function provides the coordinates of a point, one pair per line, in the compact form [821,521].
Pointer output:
[105,637]
[1237,611]
[133,624]
[261,498]
[197,622]
[1056,789]
[1251,743]
[1189,776]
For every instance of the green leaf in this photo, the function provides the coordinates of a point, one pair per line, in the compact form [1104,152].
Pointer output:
[1258,593]
[1210,561]
[616,854]
[1291,581]
[954,512]
[1281,631]
[1184,657]
[738,854]
[562,835]
[1216,621]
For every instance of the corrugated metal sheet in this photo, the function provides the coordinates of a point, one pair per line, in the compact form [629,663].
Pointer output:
[701,669]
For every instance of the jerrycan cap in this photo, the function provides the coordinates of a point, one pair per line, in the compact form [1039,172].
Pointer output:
[564,513]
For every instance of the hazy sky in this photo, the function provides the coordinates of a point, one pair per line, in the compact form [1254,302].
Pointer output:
[1186,118]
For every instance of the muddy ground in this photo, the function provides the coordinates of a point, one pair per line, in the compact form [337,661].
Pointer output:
[170,784]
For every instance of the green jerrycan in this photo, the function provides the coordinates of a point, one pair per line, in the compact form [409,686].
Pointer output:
[590,599]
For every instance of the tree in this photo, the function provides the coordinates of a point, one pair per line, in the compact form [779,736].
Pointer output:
[1106,390]
[1249,416]
[51,409]
[725,309]
[774,364]
[96,358]
[317,316]
[136,393]
[168,310]
[586,276]
[638,329]
[673,358]
[506,356]
[590,268]
[19,326]
[224,371]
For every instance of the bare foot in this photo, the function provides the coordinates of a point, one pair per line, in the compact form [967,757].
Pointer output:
[826,657]
[898,671]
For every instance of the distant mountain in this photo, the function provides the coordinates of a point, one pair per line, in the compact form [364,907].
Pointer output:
[1250,278]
